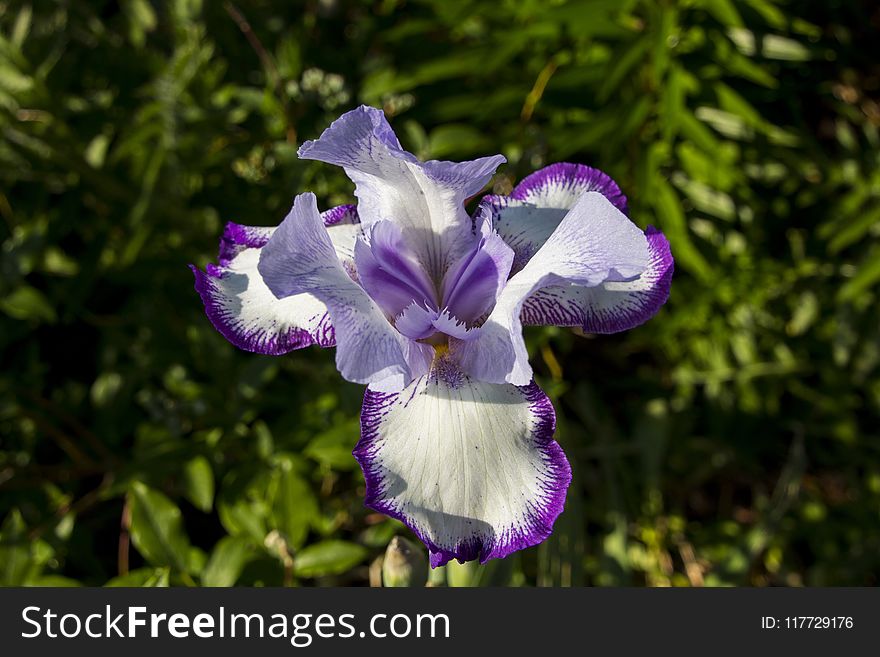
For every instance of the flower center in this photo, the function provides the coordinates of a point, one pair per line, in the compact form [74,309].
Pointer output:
[416,304]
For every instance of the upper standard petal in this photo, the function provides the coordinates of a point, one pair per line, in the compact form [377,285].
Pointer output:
[425,199]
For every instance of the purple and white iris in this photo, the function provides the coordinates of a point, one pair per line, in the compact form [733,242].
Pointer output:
[425,305]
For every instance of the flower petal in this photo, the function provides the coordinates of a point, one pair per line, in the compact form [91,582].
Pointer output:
[527,217]
[242,308]
[595,243]
[425,199]
[610,307]
[472,284]
[390,272]
[299,258]
[560,185]
[416,321]
[342,224]
[245,311]
[522,226]
[471,468]
[454,327]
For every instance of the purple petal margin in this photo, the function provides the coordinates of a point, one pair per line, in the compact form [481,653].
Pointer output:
[661,266]
[258,341]
[569,177]
[238,237]
[539,520]
[546,308]
[341,214]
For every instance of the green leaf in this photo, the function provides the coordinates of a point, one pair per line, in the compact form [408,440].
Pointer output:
[854,229]
[245,500]
[332,448]
[702,137]
[672,221]
[328,558]
[22,26]
[17,563]
[663,37]
[141,19]
[770,46]
[199,483]
[227,561]
[243,516]
[294,507]
[380,534]
[142,577]
[27,302]
[157,528]
[725,12]
[866,277]
[599,20]
[730,101]
[673,101]
[624,60]
[774,16]
[462,575]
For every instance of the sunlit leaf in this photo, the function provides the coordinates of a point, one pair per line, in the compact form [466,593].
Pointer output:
[157,528]
[328,558]
[199,479]
[226,561]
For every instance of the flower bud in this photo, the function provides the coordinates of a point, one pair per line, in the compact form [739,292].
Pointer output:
[405,564]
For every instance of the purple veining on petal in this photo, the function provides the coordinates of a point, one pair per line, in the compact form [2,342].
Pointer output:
[559,186]
[558,479]
[533,528]
[390,272]
[341,214]
[238,237]
[537,205]
[472,284]
[259,340]
[609,308]
[660,271]
[230,293]
[524,227]
[594,243]
[445,370]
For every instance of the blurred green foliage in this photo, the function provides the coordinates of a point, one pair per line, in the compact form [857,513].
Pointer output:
[732,440]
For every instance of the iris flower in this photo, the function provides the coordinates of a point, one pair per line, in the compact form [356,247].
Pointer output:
[426,304]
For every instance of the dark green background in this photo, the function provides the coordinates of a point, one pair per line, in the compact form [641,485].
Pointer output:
[731,440]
